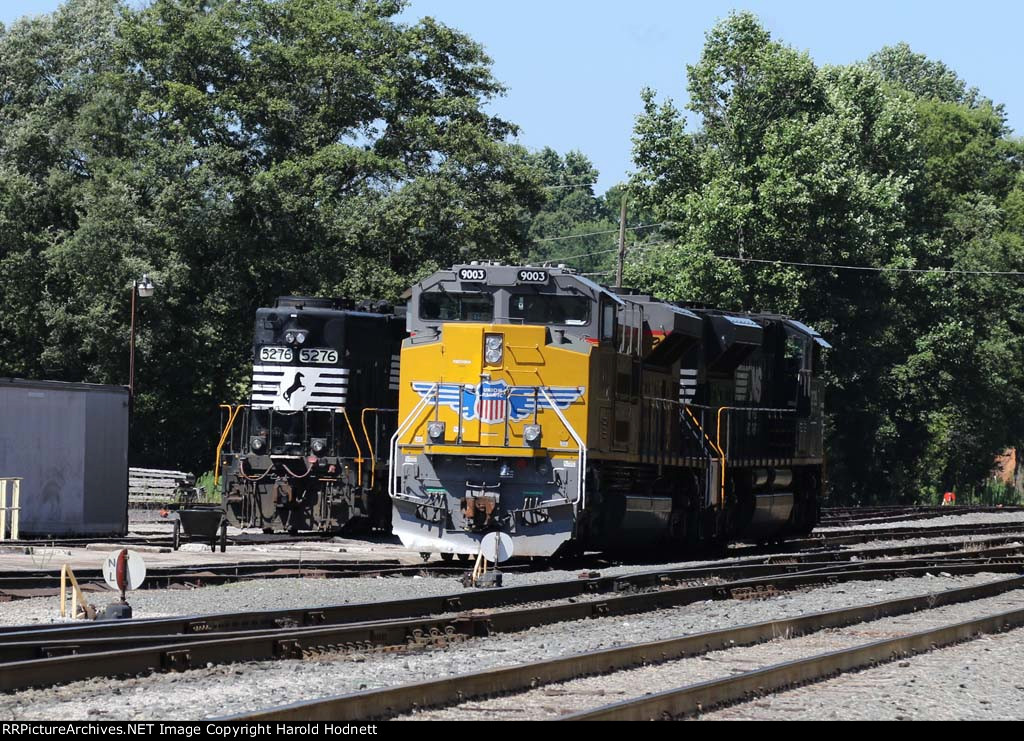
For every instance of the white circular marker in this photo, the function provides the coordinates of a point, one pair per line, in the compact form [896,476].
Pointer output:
[496,547]
[132,573]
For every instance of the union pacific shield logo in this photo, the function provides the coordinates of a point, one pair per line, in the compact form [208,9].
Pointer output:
[491,401]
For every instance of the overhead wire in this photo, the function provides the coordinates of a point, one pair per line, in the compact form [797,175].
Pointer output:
[792,263]
[868,268]
[606,231]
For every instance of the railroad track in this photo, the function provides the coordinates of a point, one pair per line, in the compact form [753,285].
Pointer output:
[591,582]
[879,516]
[458,691]
[832,539]
[51,655]
[166,541]
[896,509]
[992,547]
[18,584]
[21,584]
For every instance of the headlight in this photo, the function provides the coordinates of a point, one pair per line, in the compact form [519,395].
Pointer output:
[300,337]
[289,337]
[493,348]
[436,430]
[531,433]
[257,443]
[318,445]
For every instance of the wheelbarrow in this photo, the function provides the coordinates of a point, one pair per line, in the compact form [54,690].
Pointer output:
[201,523]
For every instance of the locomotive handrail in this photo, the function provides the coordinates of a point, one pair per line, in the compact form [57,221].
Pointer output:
[232,416]
[407,422]
[369,443]
[581,448]
[432,396]
[718,445]
[359,451]
[728,423]
[714,448]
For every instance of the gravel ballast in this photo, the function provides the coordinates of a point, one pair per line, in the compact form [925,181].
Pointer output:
[286,593]
[553,701]
[978,680]
[223,690]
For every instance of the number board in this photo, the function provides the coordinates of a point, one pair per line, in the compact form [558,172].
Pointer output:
[473,275]
[276,355]
[318,355]
[532,276]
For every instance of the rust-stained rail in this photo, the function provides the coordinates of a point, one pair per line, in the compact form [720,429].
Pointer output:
[393,701]
[704,696]
[319,629]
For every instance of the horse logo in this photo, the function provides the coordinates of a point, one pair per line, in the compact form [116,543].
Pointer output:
[296,385]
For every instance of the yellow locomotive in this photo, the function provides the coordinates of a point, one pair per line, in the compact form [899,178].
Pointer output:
[537,403]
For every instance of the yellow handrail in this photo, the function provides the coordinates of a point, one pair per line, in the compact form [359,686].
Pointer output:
[359,451]
[232,415]
[714,445]
[369,444]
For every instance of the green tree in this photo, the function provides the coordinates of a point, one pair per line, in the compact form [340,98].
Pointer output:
[578,227]
[891,165]
[570,208]
[235,151]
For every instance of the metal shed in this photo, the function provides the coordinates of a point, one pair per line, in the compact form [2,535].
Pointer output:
[69,444]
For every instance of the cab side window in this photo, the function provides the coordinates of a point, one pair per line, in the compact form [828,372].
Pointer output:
[607,321]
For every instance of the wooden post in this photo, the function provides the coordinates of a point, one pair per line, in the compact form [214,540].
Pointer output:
[63,590]
[77,596]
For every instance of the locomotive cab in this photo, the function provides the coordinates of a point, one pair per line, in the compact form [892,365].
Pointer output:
[493,406]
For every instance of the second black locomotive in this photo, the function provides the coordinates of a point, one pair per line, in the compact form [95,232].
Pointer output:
[309,450]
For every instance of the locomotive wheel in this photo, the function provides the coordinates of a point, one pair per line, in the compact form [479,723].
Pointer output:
[447,556]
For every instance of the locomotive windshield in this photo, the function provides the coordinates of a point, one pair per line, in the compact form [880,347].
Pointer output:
[456,307]
[544,308]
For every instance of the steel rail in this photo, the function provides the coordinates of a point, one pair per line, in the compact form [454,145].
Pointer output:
[831,539]
[854,521]
[415,607]
[32,648]
[204,575]
[16,584]
[294,641]
[392,701]
[897,509]
[166,540]
[697,698]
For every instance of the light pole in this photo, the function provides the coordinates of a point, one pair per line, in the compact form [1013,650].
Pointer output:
[143,288]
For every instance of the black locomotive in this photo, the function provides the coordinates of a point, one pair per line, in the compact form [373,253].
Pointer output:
[309,451]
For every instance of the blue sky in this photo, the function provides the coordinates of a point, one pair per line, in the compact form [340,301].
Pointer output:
[574,68]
